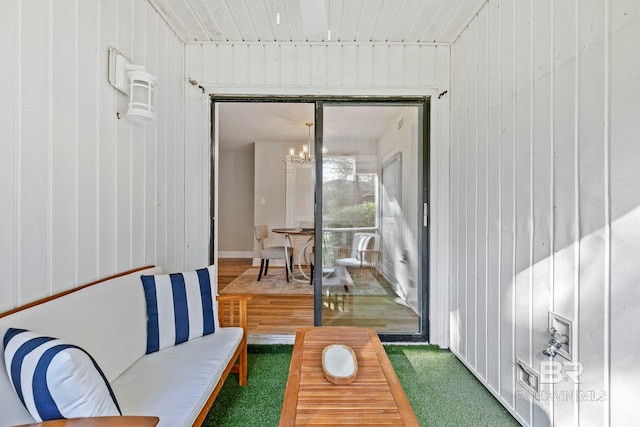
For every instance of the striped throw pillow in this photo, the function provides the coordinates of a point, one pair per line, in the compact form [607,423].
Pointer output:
[55,379]
[180,307]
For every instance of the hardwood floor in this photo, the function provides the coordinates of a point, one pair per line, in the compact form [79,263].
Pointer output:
[268,314]
[283,314]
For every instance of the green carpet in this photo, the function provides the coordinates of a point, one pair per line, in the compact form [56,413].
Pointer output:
[441,390]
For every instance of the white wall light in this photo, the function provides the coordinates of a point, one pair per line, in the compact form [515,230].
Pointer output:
[137,83]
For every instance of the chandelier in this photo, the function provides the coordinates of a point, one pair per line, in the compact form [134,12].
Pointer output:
[303,155]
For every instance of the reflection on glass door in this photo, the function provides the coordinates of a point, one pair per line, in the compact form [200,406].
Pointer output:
[371,230]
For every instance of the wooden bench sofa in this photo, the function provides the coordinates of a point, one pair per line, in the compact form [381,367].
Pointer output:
[108,319]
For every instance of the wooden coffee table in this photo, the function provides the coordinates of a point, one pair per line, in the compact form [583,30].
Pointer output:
[375,397]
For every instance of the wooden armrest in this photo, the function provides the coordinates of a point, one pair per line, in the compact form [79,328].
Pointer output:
[232,310]
[115,421]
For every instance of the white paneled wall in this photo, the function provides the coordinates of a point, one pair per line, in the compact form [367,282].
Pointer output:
[84,194]
[364,69]
[318,68]
[545,216]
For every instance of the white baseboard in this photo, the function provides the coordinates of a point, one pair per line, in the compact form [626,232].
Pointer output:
[270,339]
[235,254]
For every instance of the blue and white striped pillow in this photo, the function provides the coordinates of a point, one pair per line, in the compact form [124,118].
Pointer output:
[55,379]
[180,307]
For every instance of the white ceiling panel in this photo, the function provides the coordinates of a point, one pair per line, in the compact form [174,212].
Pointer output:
[393,21]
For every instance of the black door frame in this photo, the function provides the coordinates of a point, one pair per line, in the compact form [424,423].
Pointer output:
[423,183]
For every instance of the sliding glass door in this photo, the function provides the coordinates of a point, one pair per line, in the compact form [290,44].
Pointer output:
[371,188]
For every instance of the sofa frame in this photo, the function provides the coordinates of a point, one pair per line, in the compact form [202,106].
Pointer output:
[232,311]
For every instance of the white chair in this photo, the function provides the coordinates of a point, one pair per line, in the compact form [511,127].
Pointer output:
[365,251]
[270,252]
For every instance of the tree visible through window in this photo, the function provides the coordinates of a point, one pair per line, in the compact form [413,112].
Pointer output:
[349,198]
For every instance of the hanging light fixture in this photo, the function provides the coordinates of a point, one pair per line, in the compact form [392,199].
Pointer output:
[304,154]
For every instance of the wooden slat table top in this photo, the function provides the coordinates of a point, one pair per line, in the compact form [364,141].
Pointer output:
[375,397]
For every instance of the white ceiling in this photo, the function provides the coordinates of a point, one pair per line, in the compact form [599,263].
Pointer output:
[402,21]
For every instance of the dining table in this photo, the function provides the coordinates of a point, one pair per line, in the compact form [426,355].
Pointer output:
[301,276]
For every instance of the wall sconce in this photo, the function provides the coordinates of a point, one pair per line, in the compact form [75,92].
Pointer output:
[137,83]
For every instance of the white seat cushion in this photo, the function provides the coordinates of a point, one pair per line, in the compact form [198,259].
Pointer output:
[190,371]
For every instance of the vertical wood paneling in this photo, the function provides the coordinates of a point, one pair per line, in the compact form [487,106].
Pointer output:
[454,318]
[318,65]
[304,65]
[107,160]
[471,213]
[124,130]
[88,139]
[523,193]
[624,150]
[410,65]
[177,163]
[81,187]
[35,151]
[146,237]
[209,63]
[225,57]
[334,65]
[365,66]
[64,136]
[542,196]
[349,60]
[240,61]
[593,202]
[9,23]
[507,199]
[482,106]
[561,172]
[439,209]
[461,195]
[157,185]
[493,201]
[272,64]
[257,54]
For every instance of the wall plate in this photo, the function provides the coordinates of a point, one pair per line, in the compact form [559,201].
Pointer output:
[528,379]
[564,326]
[118,71]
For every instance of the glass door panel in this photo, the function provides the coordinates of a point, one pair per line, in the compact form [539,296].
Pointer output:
[372,233]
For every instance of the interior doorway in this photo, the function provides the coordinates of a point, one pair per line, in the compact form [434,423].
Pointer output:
[257,183]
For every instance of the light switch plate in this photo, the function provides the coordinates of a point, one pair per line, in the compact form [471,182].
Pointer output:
[564,327]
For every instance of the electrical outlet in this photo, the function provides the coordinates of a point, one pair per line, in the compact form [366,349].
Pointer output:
[564,327]
[528,378]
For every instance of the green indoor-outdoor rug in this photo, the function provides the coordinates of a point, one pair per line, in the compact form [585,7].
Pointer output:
[441,390]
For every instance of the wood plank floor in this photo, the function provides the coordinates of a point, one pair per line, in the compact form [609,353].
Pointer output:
[284,314]
[268,314]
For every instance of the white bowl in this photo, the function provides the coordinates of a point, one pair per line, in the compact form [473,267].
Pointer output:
[339,364]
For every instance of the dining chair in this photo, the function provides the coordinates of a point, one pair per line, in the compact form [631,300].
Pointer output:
[365,251]
[270,252]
